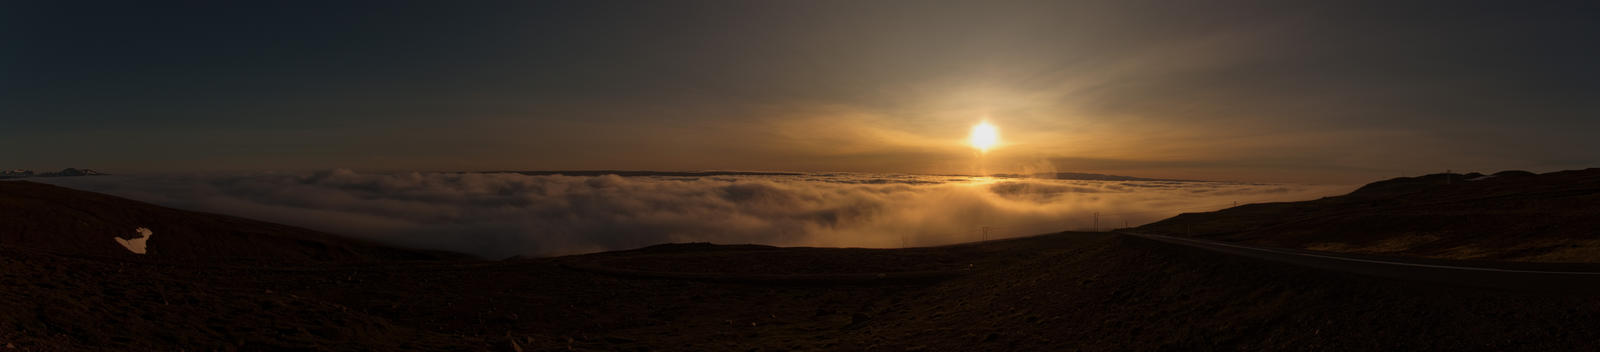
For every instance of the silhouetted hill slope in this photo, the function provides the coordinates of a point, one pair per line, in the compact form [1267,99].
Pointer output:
[1510,215]
[45,217]
[1069,291]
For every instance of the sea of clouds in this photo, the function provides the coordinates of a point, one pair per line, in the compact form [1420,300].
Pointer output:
[496,215]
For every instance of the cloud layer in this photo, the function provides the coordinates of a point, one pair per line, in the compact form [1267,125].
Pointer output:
[504,214]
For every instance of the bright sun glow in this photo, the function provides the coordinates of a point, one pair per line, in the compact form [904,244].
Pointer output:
[984,136]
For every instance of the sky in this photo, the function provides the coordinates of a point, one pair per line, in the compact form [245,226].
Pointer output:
[1271,91]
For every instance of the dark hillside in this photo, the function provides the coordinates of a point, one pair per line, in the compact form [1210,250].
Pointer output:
[1069,291]
[1511,215]
[45,217]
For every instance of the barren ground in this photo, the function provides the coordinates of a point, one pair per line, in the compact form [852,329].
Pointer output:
[1069,291]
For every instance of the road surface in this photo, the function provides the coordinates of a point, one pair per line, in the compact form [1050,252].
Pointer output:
[1508,276]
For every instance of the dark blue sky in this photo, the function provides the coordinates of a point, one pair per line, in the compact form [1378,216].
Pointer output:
[1273,90]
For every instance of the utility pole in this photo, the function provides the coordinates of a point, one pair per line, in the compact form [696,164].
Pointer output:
[985,233]
[1096,222]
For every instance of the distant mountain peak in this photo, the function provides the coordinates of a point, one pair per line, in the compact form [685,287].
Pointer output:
[19,173]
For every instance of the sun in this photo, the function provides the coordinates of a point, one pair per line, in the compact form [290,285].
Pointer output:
[984,136]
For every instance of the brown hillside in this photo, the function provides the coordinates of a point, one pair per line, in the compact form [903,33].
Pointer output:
[1070,291]
[1512,216]
[38,216]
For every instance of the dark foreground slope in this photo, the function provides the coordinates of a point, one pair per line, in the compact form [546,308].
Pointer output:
[1508,216]
[285,288]
[1070,291]
[45,217]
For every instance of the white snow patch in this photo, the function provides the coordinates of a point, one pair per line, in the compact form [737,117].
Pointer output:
[135,245]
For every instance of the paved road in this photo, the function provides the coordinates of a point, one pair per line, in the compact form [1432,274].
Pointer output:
[1507,276]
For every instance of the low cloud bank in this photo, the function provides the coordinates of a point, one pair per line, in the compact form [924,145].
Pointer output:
[500,215]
